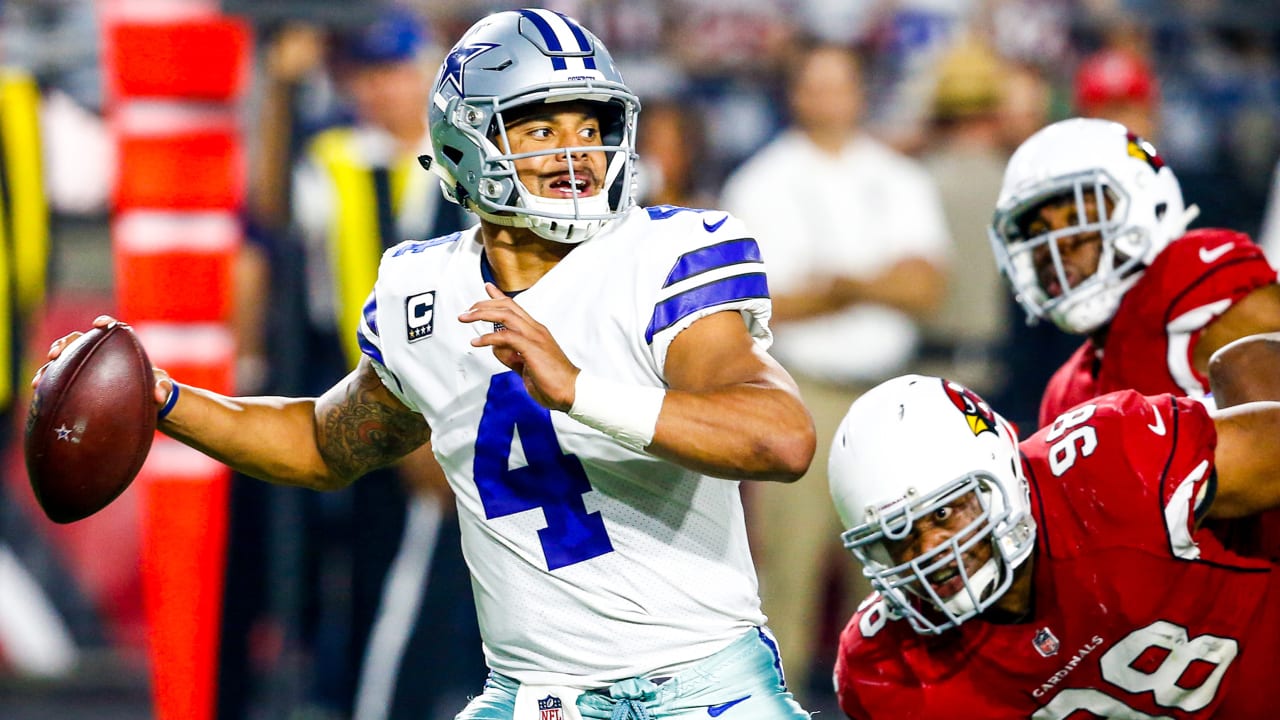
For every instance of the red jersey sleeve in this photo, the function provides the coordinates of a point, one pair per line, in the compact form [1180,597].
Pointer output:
[1211,270]
[1162,444]
[1152,338]
[1207,267]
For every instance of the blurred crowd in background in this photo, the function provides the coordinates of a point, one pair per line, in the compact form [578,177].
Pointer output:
[908,110]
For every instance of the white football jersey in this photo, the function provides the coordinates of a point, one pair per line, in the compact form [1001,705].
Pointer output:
[591,562]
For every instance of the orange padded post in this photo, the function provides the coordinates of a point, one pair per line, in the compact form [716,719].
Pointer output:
[175,267]
[184,498]
[183,554]
[200,354]
[179,169]
[194,59]
[174,71]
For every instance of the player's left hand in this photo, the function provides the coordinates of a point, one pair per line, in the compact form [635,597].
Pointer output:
[527,347]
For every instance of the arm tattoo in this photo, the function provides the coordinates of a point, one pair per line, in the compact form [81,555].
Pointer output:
[361,426]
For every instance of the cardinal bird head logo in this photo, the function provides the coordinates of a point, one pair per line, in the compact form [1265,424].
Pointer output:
[1144,151]
[976,410]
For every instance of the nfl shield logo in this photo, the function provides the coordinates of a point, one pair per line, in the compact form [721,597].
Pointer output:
[1046,644]
[550,708]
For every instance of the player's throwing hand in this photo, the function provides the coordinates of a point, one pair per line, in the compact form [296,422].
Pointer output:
[527,347]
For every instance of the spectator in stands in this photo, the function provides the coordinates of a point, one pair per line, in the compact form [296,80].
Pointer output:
[966,158]
[673,150]
[856,242]
[1118,84]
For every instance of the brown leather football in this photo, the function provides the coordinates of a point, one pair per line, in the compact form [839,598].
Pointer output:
[91,423]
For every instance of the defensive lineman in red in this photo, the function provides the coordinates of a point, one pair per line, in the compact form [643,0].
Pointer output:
[1090,231]
[1065,577]
[1195,280]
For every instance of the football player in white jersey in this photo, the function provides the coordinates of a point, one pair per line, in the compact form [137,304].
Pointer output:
[594,380]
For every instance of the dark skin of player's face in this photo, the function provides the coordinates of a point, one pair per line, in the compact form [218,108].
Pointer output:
[937,528]
[565,129]
[1080,252]
[555,126]
[942,525]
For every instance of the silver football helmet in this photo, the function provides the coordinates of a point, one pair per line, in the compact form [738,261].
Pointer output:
[512,59]
[908,449]
[1139,210]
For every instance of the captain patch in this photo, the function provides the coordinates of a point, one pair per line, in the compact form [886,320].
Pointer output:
[420,315]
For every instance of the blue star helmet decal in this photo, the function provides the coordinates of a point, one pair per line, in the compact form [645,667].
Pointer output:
[458,59]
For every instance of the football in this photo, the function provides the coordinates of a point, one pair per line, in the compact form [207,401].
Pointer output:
[91,423]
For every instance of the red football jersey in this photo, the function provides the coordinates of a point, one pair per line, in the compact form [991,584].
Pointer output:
[1136,613]
[1148,348]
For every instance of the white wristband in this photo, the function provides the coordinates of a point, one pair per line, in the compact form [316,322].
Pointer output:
[625,412]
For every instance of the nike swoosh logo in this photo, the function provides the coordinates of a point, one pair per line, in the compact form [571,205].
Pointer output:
[718,710]
[1158,426]
[712,227]
[1207,256]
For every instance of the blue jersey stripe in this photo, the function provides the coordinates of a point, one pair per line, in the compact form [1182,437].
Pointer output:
[548,36]
[375,354]
[370,312]
[726,290]
[732,252]
[368,348]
